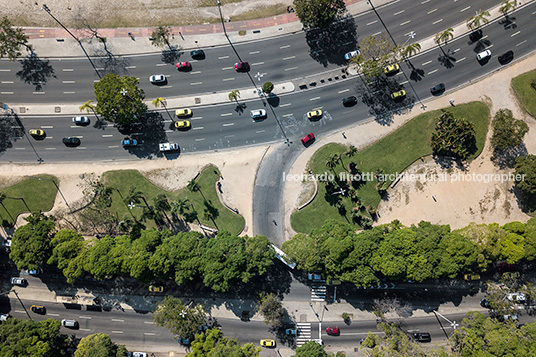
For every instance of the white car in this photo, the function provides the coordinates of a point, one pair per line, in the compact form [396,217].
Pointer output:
[81,120]
[4,317]
[137,354]
[516,297]
[483,55]
[157,78]
[258,113]
[348,56]
[18,281]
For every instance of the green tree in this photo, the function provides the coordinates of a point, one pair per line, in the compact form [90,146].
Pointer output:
[479,19]
[99,260]
[318,13]
[453,136]
[182,320]
[160,37]
[525,166]
[36,339]
[271,309]
[507,130]
[234,95]
[157,102]
[180,206]
[99,345]
[444,37]
[212,343]
[507,6]
[11,40]
[268,87]
[89,107]
[68,250]
[376,52]
[30,245]
[311,349]
[411,49]
[119,100]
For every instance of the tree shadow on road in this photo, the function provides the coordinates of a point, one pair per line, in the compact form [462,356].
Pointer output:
[35,71]
[171,55]
[10,130]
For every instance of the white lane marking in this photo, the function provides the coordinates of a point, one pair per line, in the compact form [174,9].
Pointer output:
[107,135]
[69,92]
[343,91]
[254,52]
[288,115]
[81,148]
[522,42]
[404,82]
[196,118]
[100,69]
[226,114]
[148,322]
[285,105]
[117,331]
[161,87]
[118,320]
[223,57]
[424,2]
[399,12]
[20,311]
[260,131]
[148,334]
[228,124]
[7,82]
[373,22]
[315,98]
[436,22]
[198,128]
[291,68]
[47,138]
[53,314]
[84,329]
[196,83]
[68,70]
[200,139]
[288,58]
[130,67]
[67,82]
[5,70]
[228,136]
[465,8]
[161,64]
[85,317]
[22,148]
[516,33]
[434,71]
[226,68]
[195,72]
[427,62]
[456,50]
[50,148]
[405,23]
[228,79]
[257,64]
[376,34]
[432,11]
[461,59]
[38,92]
[169,131]
[113,146]
[6,92]
[47,126]
[286,46]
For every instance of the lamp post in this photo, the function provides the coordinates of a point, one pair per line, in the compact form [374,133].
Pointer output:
[44,7]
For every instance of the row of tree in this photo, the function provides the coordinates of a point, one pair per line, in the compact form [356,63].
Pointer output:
[184,257]
[416,253]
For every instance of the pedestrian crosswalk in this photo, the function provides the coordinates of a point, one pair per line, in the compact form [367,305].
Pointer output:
[304,333]
[318,292]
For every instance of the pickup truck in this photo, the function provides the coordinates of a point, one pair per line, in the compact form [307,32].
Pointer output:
[168,147]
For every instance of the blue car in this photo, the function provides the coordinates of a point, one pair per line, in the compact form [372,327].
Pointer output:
[129,142]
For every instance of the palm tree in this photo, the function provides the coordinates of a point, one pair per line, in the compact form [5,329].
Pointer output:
[180,206]
[506,6]
[88,106]
[478,19]
[193,186]
[355,215]
[157,102]
[411,49]
[444,37]
[161,204]
[209,215]
[234,95]
[332,161]
[133,196]
[352,150]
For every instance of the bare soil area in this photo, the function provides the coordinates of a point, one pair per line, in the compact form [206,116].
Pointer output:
[133,13]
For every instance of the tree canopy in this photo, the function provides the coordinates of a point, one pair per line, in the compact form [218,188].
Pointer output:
[119,100]
[376,52]
[271,309]
[11,40]
[99,345]
[526,166]
[507,130]
[311,349]
[319,13]
[183,320]
[211,343]
[453,136]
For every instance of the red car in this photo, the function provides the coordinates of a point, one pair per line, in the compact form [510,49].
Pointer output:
[308,139]
[184,66]
[333,331]
[241,66]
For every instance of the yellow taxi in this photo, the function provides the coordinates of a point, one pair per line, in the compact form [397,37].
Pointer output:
[36,132]
[314,114]
[183,124]
[471,277]
[185,112]
[391,69]
[156,288]
[398,95]
[268,343]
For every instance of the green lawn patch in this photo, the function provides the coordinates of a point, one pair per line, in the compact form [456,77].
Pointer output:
[122,180]
[391,154]
[29,195]
[524,91]
[261,13]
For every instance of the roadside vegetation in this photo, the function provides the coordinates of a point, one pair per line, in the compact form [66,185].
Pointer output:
[380,161]
[525,89]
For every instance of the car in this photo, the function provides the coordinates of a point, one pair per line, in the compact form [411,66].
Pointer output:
[349,55]
[129,142]
[437,89]
[137,354]
[71,141]
[471,277]
[398,95]
[19,281]
[483,55]
[156,288]
[422,336]
[333,282]
[308,139]
[258,113]
[81,120]
[157,78]
[349,101]
[314,114]
[333,331]
[38,309]
[509,317]
[391,69]
[185,112]
[506,57]
[511,275]
[241,66]
[197,54]
[36,132]
[4,317]
[291,332]
[183,124]
[517,297]
[475,35]
[184,66]
[268,343]
[33,272]
[485,303]
[69,323]
[184,341]
[314,276]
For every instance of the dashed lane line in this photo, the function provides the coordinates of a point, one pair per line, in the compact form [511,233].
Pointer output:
[436,22]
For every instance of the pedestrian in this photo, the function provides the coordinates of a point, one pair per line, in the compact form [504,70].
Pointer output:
[433,196]
[451,102]
[344,134]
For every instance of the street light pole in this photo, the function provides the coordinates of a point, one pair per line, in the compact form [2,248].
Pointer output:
[44,7]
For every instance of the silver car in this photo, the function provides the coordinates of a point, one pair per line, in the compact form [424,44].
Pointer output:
[348,56]
[157,78]
[81,120]
[69,323]
[483,55]
[18,281]
[258,113]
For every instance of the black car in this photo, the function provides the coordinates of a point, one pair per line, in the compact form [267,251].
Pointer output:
[71,141]
[475,35]
[506,57]
[349,101]
[438,89]
[422,337]
[485,303]
[197,54]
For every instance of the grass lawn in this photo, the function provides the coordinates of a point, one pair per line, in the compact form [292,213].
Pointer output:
[28,195]
[261,12]
[524,92]
[392,154]
[124,179]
